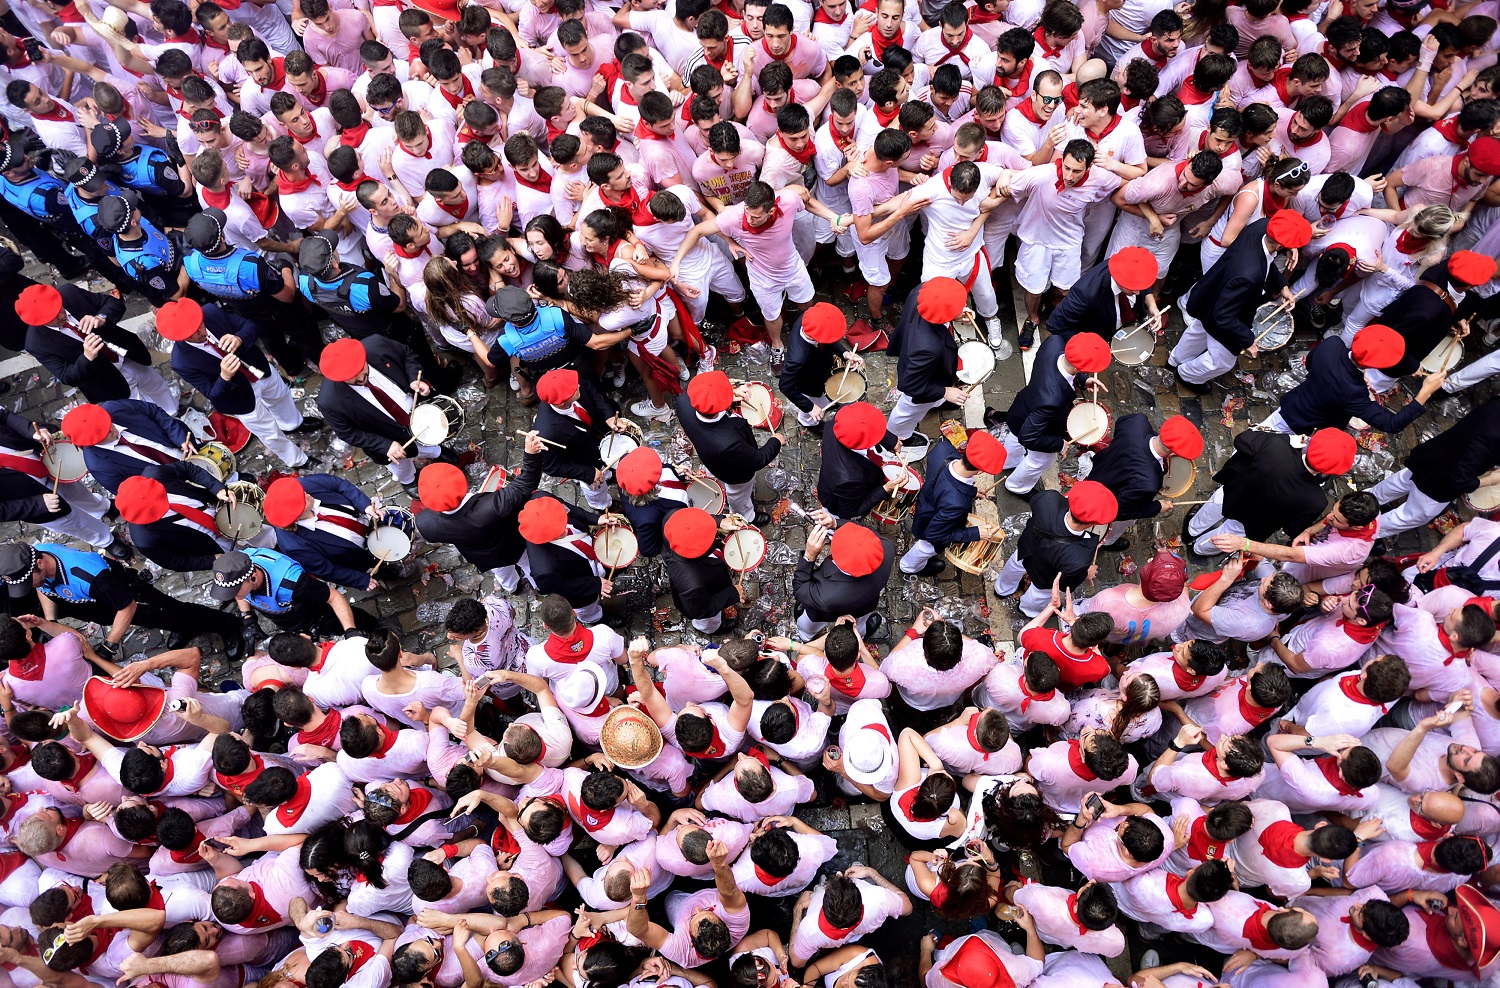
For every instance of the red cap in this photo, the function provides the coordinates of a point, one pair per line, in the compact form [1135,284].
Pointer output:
[690,532]
[859,425]
[39,304]
[442,486]
[1289,228]
[1092,503]
[1481,922]
[1088,352]
[1163,578]
[285,501]
[985,452]
[342,360]
[543,519]
[941,300]
[710,393]
[1471,268]
[557,386]
[1378,346]
[825,323]
[1181,437]
[1331,451]
[856,550]
[445,9]
[179,319]
[141,500]
[1484,155]
[124,713]
[86,425]
[1133,268]
[638,471]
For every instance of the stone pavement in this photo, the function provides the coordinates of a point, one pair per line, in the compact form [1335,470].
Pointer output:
[417,605]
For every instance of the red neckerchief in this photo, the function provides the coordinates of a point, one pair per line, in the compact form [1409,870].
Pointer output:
[972,733]
[388,739]
[323,650]
[632,202]
[820,16]
[310,137]
[57,113]
[9,862]
[68,13]
[573,648]
[1279,80]
[1174,895]
[411,253]
[952,52]
[191,855]
[1211,763]
[779,58]
[1449,129]
[362,952]
[1254,929]
[12,802]
[1113,123]
[32,667]
[1047,51]
[553,133]
[1306,142]
[844,142]
[289,187]
[1426,829]
[839,932]
[1358,120]
[776,214]
[1360,940]
[70,830]
[168,772]
[1128,102]
[291,811]
[188,37]
[217,200]
[1269,204]
[353,137]
[1202,847]
[850,683]
[1440,943]
[1185,679]
[1329,766]
[86,765]
[1191,95]
[1077,764]
[1027,696]
[1425,852]
[728,58]
[1083,931]
[1453,653]
[466,92]
[591,820]
[1363,634]
[1409,243]
[319,95]
[353,183]
[456,211]
[421,798]
[214,43]
[1029,112]
[1349,685]
[235,784]
[542,182]
[1020,82]
[278,75]
[427,155]
[801,157]
[1062,184]
[879,42]
[907,800]
[716,748]
[1253,715]
[503,842]
[1276,844]
[1459,183]
[886,116]
[1148,48]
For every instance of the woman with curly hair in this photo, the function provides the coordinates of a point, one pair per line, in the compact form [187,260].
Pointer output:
[1016,815]
[611,300]
[459,314]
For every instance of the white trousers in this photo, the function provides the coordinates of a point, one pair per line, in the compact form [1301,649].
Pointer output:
[1210,521]
[508,578]
[1025,466]
[275,412]
[1034,600]
[1486,366]
[708,626]
[1275,423]
[907,415]
[84,498]
[146,384]
[82,526]
[596,496]
[803,418]
[1418,509]
[1379,380]
[741,498]
[810,629]
[919,555]
[592,614]
[1198,357]
[405,471]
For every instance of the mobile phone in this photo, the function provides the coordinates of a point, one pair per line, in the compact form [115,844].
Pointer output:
[33,48]
[1454,706]
[216,844]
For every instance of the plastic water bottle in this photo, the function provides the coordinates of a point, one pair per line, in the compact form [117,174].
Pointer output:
[324,925]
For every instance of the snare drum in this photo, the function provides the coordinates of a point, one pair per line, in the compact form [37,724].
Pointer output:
[493,481]
[64,462]
[976,362]
[844,387]
[614,446]
[966,328]
[390,541]
[760,407]
[1445,356]
[1484,499]
[242,520]
[1275,332]
[436,419]
[744,549]
[1134,346]
[216,459]
[1088,423]
[615,546]
[708,494]
[974,557]
[1179,478]
[899,504]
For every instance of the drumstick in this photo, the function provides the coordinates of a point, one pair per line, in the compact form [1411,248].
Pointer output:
[379,558]
[255,372]
[416,382]
[533,432]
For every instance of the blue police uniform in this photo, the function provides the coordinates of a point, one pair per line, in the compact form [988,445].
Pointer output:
[153,261]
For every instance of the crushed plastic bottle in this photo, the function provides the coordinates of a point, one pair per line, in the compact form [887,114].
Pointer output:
[433,611]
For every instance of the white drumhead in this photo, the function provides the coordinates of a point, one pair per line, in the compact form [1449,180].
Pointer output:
[976,362]
[1445,356]
[429,424]
[616,546]
[1484,499]
[613,447]
[241,521]
[389,544]
[64,462]
[1133,347]
[911,481]
[1179,476]
[1088,423]
[843,388]
[744,549]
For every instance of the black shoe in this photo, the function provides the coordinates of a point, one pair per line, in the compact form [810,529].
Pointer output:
[875,629]
[309,424]
[1118,545]
[761,519]
[1197,389]
[1028,334]
[934,566]
[1187,519]
[1379,548]
[815,429]
[120,551]
[179,639]
[113,514]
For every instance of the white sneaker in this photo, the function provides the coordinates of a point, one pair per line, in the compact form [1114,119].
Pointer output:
[993,330]
[646,410]
[706,362]
[684,374]
[617,375]
[515,381]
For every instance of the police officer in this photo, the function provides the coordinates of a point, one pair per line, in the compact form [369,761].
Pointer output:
[89,587]
[36,211]
[159,176]
[542,338]
[264,581]
[143,251]
[261,290]
[85,188]
[941,518]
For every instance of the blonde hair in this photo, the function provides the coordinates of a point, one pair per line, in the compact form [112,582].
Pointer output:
[1435,222]
[37,837]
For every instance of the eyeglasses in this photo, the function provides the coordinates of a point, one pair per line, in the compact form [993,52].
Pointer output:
[1049,100]
[384,111]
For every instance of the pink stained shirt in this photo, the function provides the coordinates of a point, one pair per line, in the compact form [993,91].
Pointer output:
[543,947]
[769,249]
[1395,866]
[406,759]
[1333,553]
[806,60]
[90,849]
[1431,182]
[1190,775]
[1051,912]
[1053,217]
[875,686]
[1328,644]
[721,796]
[1021,969]
[1144,898]
[1300,784]
[622,824]
[1100,856]
[1335,951]
[432,689]
[679,946]
[164,862]
[1004,685]
[1160,665]
[813,850]
[341,49]
[52,676]
[962,756]
[1413,634]
[926,688]
[728,185]
[1061,786]
[1328,709]
[734,834]
[1350,142]
[685,679]
[471,870]
[666,160]
[1227,933]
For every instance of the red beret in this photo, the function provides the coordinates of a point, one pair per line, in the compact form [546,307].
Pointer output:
[985,452]
[856,550]
[1088,352]
[441,486]
[1331,451]
[941,300]
[859,425]
[1484,155]
[1378,346]
[557,386]
[39,304]
[1133,268]
[690,532]
[342,360]
[825,323]
[445,9]
[141,500]
[1181,437]
[710,393]
[543,519]
[1289,228]
[638,471]
[87,425]
[1092,503]
[1471,268]
[285,501]
[179,319]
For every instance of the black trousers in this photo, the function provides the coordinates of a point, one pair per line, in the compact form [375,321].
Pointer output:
[157,610]
[316,618]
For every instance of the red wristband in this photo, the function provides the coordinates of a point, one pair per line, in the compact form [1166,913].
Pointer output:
[450,850]
[912,634]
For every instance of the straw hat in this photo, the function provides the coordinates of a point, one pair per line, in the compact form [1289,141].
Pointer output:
[630,738]
[111,26]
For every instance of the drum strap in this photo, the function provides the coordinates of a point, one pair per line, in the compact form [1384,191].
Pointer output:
[145,450]
[1447,299]
[391,405]
[31,465]
[339,523]
[193,514]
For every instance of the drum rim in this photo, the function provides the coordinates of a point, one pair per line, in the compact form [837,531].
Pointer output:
[622,532]
[733,537]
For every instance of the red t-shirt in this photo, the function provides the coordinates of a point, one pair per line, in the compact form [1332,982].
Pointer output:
[1073,670]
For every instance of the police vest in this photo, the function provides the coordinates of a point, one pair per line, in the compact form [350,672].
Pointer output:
[30,196]
[153,261]
[76,573]
[233,276]
[543,337]
[282,575]
[334,298]
[139,173]
[86,213]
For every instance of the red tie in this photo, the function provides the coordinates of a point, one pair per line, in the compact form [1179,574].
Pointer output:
[1127,311]
[108,354]
[244,369]
[582,413]
[343,521]
[392,408]
[196,515]
[149,452]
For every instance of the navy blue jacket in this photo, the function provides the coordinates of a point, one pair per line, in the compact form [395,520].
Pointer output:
[1423,317]
[647,519]
[327,555]
[200,368]
[555,569]
[1048,547]
[849,483]
[578,458]
[926,354]
[702,587]
[1335,391]
[825,591]
[1038,418]
[58,351]
[356,421]
[1226,297]
[1130,470]
[22,496]
[134,418]
[168,544]
[1267,486]
[726,447]
[807,368]
[1091,307]
[943,506]
[1451,462]
[484,528]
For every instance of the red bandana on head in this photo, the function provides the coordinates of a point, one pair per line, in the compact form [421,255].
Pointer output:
[839,932]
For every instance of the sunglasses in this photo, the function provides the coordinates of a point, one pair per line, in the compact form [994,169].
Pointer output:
[491,955]
[1050,100]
